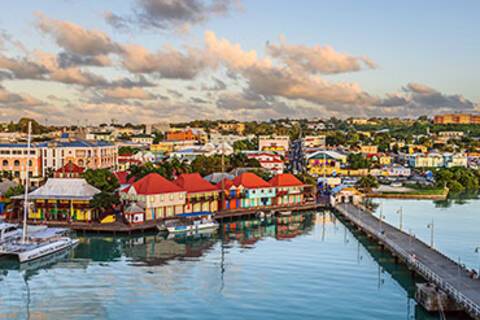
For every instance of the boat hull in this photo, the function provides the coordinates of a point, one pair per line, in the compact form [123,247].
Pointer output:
[192,228]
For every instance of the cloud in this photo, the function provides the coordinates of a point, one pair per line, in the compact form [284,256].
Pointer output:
[422,98]
[317,59]
[167,62]
[218,85]
[66,60]
[10,99]
[128,93]
[22,68]
[171,14]
[76,39]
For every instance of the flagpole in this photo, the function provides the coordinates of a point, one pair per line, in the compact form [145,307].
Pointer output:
[27,182]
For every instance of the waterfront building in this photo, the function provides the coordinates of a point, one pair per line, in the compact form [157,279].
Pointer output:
[457,118]
[289,189]
[280,144]
[63,200]
[201,194]
[345,194]
[255,191]
[160,197]
[134,213]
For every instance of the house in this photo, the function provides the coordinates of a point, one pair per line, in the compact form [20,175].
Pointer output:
[427,160]
[201,194]
[134,213]
[289,190]
[380,158]
[188,134]
[257,192]
[455,160]
[344,194]
[368,149]
[62,199]
[70,170]
[13,160]
[325,161]
[144,139]
[160,197]
[314,141]
[280,144]
[122,177]
[269,161]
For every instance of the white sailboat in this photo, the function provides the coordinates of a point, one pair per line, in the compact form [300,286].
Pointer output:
[38,244]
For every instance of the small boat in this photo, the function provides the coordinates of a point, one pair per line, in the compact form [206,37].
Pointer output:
[191,222]
[285,213]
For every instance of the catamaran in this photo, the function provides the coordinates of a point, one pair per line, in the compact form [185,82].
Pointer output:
[190,222]
[35,245]
[9,231]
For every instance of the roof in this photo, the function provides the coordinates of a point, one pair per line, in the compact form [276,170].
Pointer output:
[70,167]
[218,176]
[194,214]
[64,189]
[227,184]
[285,180]
[154,183]
[193,182]
[122,177]
[250,180]
[134,208]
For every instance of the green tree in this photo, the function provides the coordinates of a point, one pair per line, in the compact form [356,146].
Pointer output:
[104,201]
[14,191]
[367,183]
[358,161]
[101,179]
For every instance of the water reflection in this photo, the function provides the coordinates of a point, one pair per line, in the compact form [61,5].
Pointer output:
[207,266]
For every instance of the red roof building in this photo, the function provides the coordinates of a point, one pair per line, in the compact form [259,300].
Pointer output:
[250,180]
[201,194]
[122,177]
[69,170]
[154,183]
[160,197]
[285,180]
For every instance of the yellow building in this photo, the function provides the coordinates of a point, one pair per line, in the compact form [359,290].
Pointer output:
[368,149]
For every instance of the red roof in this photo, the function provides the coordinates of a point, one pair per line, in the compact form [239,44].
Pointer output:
[193,182]
[227,184]
[122,177]
[70,167]
[285,180]
[250,181]
[154,183]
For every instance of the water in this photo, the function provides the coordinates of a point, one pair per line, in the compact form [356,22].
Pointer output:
[456,225]
[313,268]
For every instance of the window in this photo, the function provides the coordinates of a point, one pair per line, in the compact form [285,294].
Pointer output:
[16,163]
[30,163]
[5,163]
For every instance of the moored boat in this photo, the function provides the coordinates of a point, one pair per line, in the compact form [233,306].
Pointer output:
[191,222]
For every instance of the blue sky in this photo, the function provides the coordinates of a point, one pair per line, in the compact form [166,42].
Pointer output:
[431,43]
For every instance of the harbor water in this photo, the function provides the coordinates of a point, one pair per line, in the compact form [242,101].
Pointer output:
[309,266]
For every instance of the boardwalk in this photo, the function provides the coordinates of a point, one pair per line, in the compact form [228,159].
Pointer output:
[431,264]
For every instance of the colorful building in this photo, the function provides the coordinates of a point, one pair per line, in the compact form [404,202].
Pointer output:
[69,170]
[63,200]
[160,197]
[13,160]
[188,134]
[457,118]
[269,161]
[201,194]
[280,144]
[325,162]
[289,190]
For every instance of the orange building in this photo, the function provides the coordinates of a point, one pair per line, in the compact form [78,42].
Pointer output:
[13,161]
[456,118]
[174,135]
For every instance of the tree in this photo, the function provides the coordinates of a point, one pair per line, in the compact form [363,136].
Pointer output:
[104,201]
[127,150]
[14,191]
[367,183]
[101,179]
[358,161]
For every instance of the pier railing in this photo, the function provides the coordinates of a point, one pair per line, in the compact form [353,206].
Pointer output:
[470,306]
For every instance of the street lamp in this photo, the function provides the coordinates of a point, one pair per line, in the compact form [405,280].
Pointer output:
[431,226]
[477,251]
[400,212]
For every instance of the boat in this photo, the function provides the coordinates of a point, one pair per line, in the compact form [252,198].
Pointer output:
[43,241]
[190,222]
[35,248]
[285,213]
[9,231]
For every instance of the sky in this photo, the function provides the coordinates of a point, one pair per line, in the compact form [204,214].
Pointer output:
[146,61]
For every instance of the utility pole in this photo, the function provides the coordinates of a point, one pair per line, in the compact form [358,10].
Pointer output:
[400,212]
[431,226]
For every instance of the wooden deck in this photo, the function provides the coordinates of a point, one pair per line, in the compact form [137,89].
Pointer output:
[120,227]
[426,261]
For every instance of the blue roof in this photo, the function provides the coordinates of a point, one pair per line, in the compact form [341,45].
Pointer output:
[60,144]
[338,188]
[194,214]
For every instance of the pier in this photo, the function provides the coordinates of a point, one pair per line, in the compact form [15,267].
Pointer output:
[431,264]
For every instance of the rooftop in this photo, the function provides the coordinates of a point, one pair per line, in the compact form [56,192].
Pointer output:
[154,183]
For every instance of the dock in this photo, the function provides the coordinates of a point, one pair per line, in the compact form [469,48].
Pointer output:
[431,264]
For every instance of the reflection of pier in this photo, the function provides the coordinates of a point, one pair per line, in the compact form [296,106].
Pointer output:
[428,262]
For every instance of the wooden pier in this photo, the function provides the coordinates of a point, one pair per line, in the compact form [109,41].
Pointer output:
[434,266]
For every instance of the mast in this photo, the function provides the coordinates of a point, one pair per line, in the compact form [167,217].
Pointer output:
[27,182]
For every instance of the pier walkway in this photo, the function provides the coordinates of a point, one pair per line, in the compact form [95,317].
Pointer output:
[426,261]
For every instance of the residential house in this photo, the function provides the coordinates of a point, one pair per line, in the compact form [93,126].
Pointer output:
[325,161]
[160,197]
[269,161]
[144,139]
[201,194]
[317,141]
[426,160]
[289,190]
[368,149]
[280,144]
[69,170]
